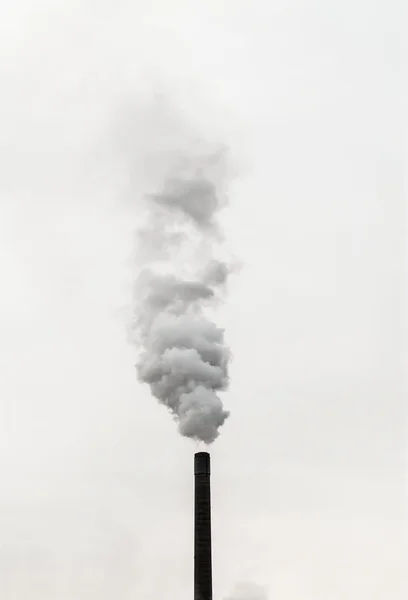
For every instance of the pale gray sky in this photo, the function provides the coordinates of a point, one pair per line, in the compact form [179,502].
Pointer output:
[96,484]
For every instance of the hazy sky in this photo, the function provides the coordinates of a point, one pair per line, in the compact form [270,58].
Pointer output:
[96,484]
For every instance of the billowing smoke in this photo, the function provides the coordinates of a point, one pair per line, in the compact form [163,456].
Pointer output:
[183,355]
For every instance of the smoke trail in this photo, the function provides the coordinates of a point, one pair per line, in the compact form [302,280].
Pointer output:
[183,355]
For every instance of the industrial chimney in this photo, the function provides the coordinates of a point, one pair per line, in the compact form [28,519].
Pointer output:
[202,528]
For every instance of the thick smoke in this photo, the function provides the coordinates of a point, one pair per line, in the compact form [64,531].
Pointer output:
[183,355]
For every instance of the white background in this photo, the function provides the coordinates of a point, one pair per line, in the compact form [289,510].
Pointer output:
[95,483]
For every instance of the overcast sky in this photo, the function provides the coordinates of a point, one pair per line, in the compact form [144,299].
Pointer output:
[96,484]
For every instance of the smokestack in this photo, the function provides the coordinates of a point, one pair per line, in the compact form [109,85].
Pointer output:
[202,528]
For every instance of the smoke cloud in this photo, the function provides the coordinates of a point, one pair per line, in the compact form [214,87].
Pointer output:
[183,355]
[248,591]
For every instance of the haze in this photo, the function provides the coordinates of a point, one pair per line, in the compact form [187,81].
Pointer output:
[96,483]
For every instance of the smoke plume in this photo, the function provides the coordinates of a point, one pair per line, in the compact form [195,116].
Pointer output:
[183,355]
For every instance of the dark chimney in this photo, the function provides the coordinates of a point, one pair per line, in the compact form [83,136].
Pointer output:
[202,528]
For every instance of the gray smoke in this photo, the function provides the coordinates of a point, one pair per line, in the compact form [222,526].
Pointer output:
[248,591]
[183,355]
